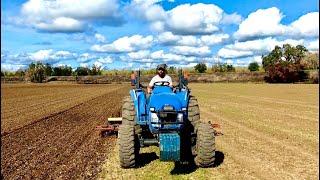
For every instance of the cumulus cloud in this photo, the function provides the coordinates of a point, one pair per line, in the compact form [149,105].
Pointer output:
[191,51]
[267,23]
[254,47]
[105,60]
[261,23]
[12,67]
[313,45]
[233,18]
[143,54]
[45,56]
[202,18]
[50,56]
[168,38]
[61,24]
[125,44]
[68,15]
[85,57]
[231,53]
[100,38]
[306,26]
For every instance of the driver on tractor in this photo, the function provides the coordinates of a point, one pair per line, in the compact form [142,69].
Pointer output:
[160,77]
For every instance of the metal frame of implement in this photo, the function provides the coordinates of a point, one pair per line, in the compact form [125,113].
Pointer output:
[112,126]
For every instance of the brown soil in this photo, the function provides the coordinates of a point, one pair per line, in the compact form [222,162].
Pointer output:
[64,145]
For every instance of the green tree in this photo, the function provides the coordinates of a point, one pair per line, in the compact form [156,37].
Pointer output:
[95,70]
[36,72]
[201,67]
[48,70]
[82,71]
[254,66]
[311,61]
[284,64]
[20,73]
[223,68]
[172,70]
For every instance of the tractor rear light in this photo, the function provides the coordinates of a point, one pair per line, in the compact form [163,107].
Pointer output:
[180,117]
[154,118]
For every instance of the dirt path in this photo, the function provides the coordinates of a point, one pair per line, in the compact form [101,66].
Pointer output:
[64,145]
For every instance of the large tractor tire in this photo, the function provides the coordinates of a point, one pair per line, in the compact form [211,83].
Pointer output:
[128,146]
[128,112]
[193,111]
[205,146]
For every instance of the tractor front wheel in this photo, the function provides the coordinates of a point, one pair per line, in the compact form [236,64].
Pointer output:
[128,146]
[205,145]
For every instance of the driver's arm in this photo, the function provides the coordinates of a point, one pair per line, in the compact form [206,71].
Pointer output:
[150,86]
[170,82]
[149,89]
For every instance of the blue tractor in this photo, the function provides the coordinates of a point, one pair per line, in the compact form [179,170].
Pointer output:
[168,118]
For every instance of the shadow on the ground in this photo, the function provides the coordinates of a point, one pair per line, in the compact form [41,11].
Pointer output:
[146,158]
[187,168]
[219,159]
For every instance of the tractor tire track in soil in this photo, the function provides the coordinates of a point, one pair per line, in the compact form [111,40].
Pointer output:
[65,145]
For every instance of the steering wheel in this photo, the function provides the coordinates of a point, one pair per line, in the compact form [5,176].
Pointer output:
[161,83]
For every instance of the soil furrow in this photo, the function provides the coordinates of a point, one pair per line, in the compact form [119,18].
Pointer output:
[71,150]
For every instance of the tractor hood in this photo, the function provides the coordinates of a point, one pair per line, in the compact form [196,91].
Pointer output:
[158,101]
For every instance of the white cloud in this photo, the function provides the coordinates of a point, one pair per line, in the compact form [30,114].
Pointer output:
[183,19]
[105,60]
[191,51]
[67,15]
[306,26]
[201,18]
[100,38]
[167,38]
[254,47]
[231,53]
[84,65]
[263,22]
[267,22]
[12,67]
[125,44]
[85,57]
[313,45]
[231,19]
[61,24]
[139,54]
[41,55]
[213,39]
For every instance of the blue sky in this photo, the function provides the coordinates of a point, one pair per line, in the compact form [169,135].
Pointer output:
[135,34]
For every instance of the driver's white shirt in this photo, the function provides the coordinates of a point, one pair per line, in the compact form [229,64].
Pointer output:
[158,78]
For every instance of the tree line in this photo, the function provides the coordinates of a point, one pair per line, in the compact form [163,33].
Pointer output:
[284,64]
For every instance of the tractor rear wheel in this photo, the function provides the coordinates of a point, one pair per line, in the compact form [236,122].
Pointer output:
[193,111]
[128,146]
[205,146]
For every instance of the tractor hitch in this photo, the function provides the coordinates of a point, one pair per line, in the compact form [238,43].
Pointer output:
[111,127]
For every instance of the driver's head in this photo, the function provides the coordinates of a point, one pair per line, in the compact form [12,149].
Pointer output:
[161,70]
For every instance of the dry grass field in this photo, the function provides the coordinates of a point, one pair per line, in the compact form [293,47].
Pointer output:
[271,131]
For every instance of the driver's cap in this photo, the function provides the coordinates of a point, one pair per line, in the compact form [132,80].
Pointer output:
[162,66]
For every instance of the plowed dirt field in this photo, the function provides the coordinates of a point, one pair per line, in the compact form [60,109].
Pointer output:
[271,131]
[48,130]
